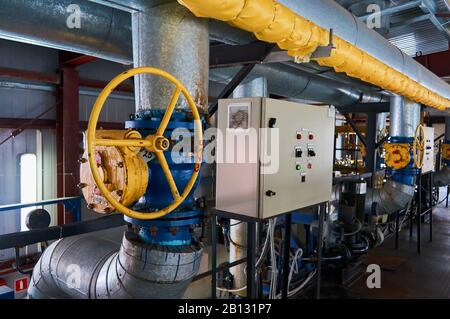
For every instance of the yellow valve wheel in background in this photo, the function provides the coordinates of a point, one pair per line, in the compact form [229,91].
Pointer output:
[155,143]
[397,155]
[419,146]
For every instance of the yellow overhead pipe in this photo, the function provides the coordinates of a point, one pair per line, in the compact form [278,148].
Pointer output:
[273,22]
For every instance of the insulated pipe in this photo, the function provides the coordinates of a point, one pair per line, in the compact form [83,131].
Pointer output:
[86,267]
[238,229]
[102,32]
[285,81]
[169,37]
[301,27]
[404,117]
[254,88]
[395,195]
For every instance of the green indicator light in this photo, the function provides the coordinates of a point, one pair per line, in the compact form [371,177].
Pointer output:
[298,167]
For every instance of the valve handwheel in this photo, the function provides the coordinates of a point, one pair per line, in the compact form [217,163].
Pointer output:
[419,146]
[155,143]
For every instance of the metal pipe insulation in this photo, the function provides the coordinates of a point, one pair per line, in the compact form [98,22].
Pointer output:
[285,81]
[404,117]
[300,27]
[169,37]
[86,267]
[103,32]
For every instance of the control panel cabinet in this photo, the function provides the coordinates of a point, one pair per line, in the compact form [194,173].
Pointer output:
[273,156]
[428,160]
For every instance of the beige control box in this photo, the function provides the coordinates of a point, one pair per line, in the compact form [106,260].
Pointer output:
[273,156]
[428,160]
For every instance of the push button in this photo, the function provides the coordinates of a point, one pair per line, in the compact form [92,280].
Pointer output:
[299,136]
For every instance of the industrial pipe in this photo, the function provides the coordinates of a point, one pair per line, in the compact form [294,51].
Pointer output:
[102,32]
[283,80]
[86,267]
[169,37]
[301,27]
[398,191]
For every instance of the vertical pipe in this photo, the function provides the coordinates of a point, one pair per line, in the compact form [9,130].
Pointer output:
[169,37]
[405,117]
[238,230]
[255,87]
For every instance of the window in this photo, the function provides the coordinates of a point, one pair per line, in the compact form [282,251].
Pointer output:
[28,185]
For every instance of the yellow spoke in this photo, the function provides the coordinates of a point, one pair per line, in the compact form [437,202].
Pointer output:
[165,121]
[168,174]
[123,143]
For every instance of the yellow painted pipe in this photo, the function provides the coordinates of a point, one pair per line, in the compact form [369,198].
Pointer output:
[272,22]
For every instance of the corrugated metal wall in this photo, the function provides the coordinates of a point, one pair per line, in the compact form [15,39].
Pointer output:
[19,101]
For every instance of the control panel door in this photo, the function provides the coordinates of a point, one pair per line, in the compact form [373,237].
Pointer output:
[297,156]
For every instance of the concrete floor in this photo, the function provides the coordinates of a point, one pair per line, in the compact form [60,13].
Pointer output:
[405,274]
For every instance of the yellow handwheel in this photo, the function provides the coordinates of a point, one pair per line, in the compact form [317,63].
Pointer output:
[419,146]
[155,143]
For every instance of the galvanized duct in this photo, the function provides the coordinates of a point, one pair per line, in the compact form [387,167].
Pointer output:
[103,32]
[354,31]
[106,33]
[253,88]
[169,37]
[86,267]
[288,82]
[404,117]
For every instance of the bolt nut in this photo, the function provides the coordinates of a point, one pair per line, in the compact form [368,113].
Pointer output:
[119,193]
[82,160]
[91,206]
[82,185]
[120,164]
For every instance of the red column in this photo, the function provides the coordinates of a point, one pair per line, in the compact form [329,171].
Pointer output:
[68,139]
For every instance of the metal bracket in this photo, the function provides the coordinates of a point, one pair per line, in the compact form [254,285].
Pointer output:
[324,51]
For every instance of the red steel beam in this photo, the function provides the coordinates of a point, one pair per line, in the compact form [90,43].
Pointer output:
[30,76]
[438,63]
[55,79]
[75,59]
